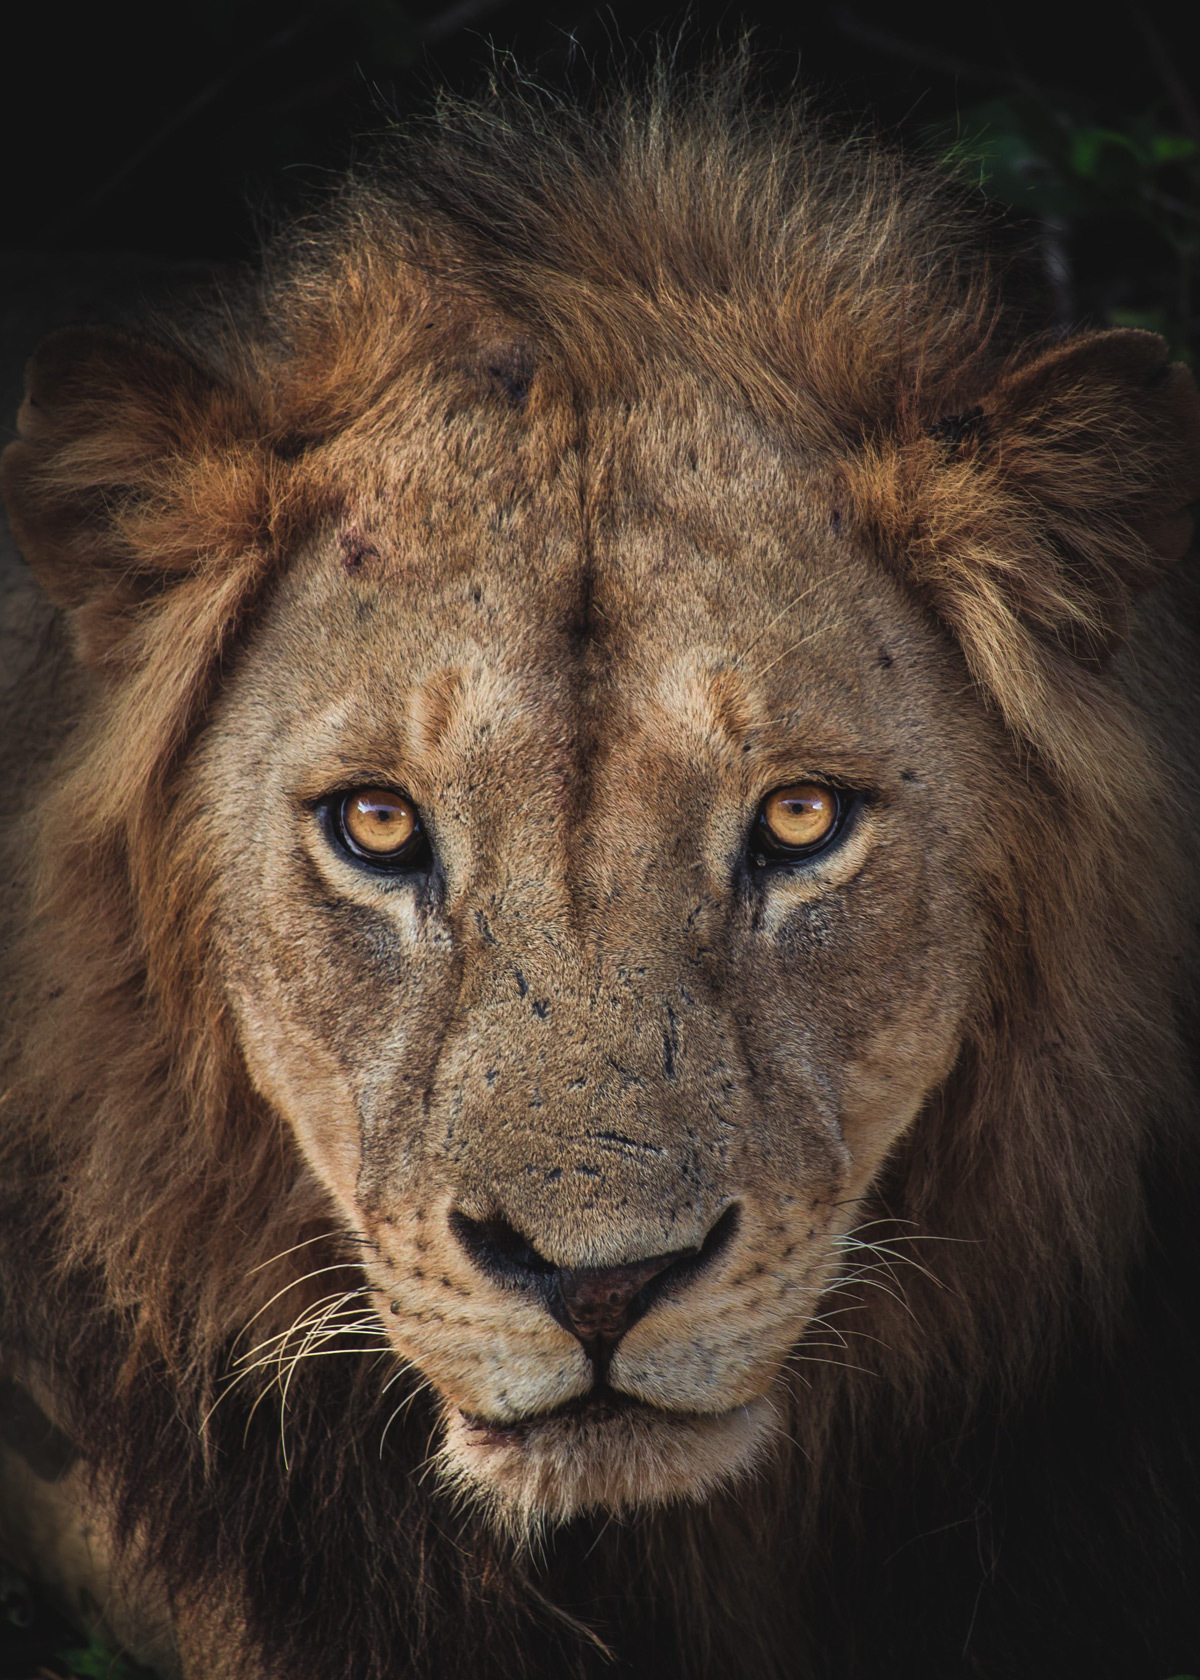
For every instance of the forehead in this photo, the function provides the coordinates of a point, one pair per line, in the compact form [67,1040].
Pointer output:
[662,551]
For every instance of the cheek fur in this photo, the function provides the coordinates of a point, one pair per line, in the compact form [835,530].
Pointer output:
[308,1087]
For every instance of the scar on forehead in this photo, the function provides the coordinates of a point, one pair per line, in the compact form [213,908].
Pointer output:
[434,706]
[729,702]
[510,369]
[356,550]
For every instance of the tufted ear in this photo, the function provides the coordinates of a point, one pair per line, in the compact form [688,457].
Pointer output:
[1061,493]
[133,468]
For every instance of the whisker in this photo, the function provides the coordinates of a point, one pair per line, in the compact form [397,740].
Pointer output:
[297,1324]
[314,1338]
[395,1377]
[794,602]
[840,1364]
[892,1294]
[423,1385]
[820,630]
[319,1271]
[886,1253]
[332,1235]
[317,1325]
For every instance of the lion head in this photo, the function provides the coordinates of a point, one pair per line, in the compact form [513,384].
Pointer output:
[605,818]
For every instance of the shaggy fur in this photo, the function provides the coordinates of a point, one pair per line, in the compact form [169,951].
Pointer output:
[989,1467]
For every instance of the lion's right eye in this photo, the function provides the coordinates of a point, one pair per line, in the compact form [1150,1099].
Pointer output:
[799,821]
[380,827]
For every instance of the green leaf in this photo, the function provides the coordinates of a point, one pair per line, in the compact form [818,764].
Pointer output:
[1173,148]
[99,1663]
[1106,158]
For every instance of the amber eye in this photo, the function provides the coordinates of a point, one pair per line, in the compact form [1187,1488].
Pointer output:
[799,820]
[380,826]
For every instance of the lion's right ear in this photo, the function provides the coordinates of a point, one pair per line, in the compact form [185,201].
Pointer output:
[133,467]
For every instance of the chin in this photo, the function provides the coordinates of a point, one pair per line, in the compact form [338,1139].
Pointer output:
[605,1452]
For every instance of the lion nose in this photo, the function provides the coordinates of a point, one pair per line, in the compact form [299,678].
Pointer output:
[605,1300]
[598,1304]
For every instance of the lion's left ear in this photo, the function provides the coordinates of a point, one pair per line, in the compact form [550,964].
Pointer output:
[1056,497]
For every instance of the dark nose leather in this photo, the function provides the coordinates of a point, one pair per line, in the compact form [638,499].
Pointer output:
[596,1304]
[602,1301]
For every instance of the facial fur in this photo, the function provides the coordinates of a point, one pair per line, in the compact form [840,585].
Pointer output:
[596,1017]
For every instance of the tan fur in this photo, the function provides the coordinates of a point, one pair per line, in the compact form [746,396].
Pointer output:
[721,543]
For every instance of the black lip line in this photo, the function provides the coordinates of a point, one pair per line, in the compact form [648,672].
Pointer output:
[598,1405]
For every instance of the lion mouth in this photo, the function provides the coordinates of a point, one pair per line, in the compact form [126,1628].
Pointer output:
[602,1450]
[599,1406]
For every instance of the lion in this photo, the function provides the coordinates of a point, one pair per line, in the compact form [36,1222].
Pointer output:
[602,839]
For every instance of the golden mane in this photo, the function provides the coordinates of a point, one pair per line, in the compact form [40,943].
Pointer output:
[838,296]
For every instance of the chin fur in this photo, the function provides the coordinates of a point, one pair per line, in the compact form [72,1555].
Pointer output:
[543,1471]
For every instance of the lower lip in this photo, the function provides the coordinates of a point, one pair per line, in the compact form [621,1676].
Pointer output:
[596,1407]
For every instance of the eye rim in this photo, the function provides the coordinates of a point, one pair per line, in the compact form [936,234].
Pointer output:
[413,856]
[764,848]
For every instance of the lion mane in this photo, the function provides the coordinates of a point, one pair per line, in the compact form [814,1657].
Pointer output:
[990,1473]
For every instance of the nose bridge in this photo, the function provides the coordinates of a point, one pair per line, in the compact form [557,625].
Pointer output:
[590,1102]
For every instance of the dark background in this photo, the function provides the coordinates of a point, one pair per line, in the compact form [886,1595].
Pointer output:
[178,130]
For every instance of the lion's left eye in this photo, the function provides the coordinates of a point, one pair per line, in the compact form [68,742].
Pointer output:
[798,821]
[378,826]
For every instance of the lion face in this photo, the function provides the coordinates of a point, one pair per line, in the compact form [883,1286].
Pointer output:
[597,1073]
